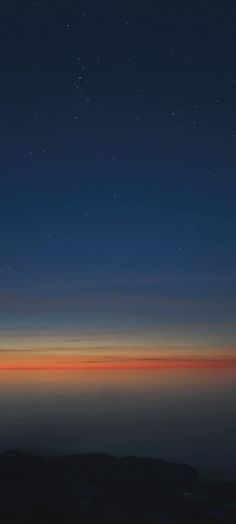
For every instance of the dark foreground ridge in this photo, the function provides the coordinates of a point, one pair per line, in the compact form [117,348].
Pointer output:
[103,489]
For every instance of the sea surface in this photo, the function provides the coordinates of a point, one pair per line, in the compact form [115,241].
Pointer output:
[184,415]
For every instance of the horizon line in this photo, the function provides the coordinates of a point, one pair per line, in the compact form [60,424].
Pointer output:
[129,364]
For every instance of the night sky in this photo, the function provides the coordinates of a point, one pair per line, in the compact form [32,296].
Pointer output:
[117,196]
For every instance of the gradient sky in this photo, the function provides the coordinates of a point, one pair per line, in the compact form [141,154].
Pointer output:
[117,200]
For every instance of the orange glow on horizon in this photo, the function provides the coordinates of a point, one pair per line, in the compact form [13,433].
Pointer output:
[35,364]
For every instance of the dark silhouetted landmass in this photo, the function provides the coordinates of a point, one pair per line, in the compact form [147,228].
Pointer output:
[103,489]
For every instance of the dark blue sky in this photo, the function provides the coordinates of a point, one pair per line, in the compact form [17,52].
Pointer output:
[117,148]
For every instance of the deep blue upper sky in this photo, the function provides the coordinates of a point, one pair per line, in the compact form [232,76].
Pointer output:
[117,148]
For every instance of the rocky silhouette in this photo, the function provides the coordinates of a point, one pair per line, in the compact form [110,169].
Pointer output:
[103,489]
